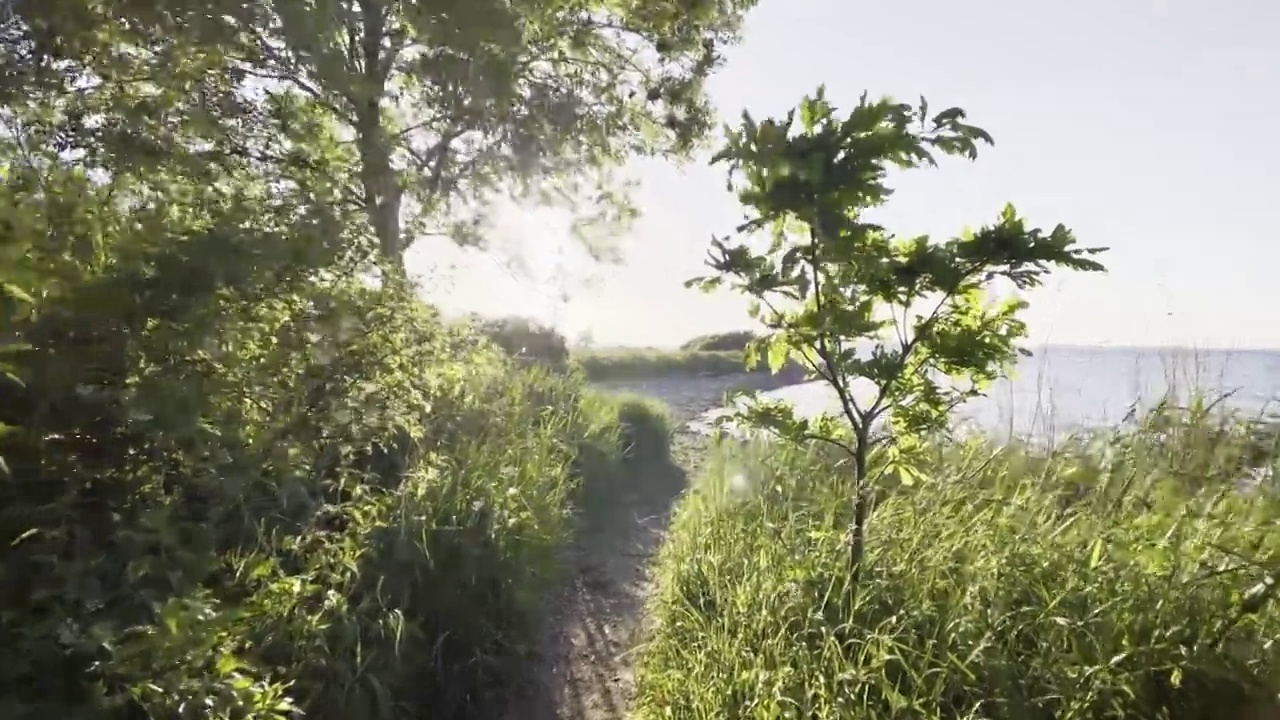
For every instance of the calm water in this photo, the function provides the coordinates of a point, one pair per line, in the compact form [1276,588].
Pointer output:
[1061,389]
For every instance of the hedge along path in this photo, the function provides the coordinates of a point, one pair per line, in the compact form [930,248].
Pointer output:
[585,670]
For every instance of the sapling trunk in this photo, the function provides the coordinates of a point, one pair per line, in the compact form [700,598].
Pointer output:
[851,281]
[857,532]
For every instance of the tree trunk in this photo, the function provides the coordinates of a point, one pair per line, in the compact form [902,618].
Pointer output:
[381,182]
[861,501]
[382,190]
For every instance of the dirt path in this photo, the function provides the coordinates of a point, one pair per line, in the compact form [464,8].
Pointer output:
[586,671]
[587,668]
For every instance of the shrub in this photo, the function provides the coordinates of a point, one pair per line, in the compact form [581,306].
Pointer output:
[637,364]
[336,524]
[735,341]
[1092,581]
[644,426]
[526,340]
[285,490]
[639,440]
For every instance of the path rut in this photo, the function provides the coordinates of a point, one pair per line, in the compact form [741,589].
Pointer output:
[585,671]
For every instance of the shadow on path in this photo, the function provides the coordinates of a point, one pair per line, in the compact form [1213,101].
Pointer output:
[585,672]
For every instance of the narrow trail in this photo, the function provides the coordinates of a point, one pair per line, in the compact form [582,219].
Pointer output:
[587,667]
[586,664]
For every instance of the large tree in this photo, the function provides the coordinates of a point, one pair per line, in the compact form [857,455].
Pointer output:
[451,100]
[144,95]
[446,103]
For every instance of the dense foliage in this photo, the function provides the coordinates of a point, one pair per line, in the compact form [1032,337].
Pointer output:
[238,475]
[285,488]
[444,103]
[526,340]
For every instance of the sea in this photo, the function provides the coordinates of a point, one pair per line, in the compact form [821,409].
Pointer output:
[1060,390]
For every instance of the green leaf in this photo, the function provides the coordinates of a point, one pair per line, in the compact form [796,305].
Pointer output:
[908,474]
[1095,555]
[171,615]
[779,351]
[226,664]
[15,293]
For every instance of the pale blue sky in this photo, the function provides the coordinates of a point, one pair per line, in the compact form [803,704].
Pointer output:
[1145,125]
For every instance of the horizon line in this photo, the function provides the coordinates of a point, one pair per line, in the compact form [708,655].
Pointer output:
[1041,346]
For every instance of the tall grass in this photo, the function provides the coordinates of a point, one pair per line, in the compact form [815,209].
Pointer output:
[641,440]
[1118,575]
[645,425]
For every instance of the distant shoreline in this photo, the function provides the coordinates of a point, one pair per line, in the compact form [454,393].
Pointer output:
[648,350]
[608,365]
[652,364]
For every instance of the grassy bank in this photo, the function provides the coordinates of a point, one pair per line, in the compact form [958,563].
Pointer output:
[644,363]
[648,363]
[1117,576]
[639,438]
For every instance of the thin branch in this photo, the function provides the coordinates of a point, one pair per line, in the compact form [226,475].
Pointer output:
[831,441]
[847,401]
[900,330]
[435,158]
[289,77]
[908,347]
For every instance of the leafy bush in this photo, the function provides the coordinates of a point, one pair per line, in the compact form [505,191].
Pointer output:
[236,478]
[321,518]
[239,481]
[526,340]
[735,341]
[644,426]
[1091,581]
[641,441]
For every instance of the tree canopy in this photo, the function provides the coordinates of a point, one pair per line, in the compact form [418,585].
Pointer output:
[440,105]
[232,470]
[919,320]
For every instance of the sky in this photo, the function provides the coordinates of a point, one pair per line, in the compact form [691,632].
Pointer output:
[1143,125]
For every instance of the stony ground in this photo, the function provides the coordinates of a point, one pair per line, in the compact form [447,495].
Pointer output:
[586,665]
